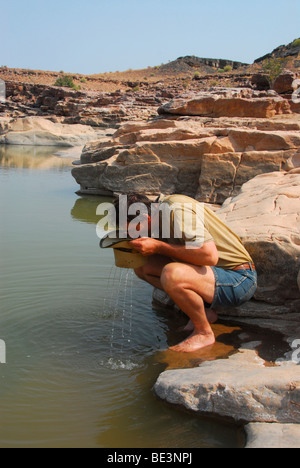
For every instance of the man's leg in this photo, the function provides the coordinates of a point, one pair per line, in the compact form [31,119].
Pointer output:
[151,272]
[190,286]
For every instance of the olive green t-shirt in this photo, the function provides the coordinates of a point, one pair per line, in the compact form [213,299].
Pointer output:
[192,224]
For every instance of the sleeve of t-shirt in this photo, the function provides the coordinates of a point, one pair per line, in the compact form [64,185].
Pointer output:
[188,225]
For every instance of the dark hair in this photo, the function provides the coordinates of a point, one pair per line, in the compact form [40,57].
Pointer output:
[131,199]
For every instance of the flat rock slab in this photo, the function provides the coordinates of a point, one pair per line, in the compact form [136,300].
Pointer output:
[264,435]
[240,388]
[40,131]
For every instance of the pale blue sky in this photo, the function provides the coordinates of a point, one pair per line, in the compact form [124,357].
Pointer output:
[96,36]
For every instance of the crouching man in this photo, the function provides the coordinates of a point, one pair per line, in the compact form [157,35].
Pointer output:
[201,263]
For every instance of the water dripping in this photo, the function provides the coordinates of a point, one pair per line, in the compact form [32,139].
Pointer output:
[114,307]
[118,305]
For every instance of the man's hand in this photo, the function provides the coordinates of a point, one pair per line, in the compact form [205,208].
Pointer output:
[146,246]
[206,255]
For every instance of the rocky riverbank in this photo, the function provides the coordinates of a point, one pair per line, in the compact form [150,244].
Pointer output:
[237,148]
[205,145]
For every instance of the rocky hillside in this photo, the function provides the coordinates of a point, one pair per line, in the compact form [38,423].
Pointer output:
[289,51]
[109,99]
[179,72]
[192,64]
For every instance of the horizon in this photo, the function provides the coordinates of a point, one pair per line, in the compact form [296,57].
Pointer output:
[102,36]
[138,69]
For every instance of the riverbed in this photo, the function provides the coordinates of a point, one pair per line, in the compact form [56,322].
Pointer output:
[84,345]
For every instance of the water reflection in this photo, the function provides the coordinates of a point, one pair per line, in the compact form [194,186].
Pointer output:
[72,379]
[32,157]
[85,208]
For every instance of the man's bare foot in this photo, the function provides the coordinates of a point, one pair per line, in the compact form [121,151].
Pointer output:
[195,342]
[211,315]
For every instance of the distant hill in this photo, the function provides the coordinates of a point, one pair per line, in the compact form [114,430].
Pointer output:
[203,65]
[283,51]
[182,72]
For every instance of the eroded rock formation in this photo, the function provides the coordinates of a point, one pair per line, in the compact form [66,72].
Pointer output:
[209,158]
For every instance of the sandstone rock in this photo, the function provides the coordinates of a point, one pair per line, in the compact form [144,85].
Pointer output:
[222,175]
[218,171]
[268,435]
[232,104]
[38,131]
[260,82]
[266,216]
[4,124]
[239,387]
[89,175]
[293,162]
[254,140]
[295,107]
[284,82]
[211,158]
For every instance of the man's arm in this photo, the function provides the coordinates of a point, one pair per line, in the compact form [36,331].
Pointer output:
[207,255]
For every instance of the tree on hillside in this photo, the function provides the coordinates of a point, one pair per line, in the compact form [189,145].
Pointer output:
[273,67]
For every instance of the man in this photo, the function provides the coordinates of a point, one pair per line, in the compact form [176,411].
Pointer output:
[200,264]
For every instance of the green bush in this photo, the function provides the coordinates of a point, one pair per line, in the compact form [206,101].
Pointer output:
[228,68]
[273,67]
[296,43]
[66,81]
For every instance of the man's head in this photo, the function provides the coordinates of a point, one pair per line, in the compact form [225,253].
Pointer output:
[133,213]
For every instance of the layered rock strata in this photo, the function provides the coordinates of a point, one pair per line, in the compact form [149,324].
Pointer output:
[229,103]
[208,158]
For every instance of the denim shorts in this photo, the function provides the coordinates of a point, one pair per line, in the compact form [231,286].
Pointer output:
[234,288]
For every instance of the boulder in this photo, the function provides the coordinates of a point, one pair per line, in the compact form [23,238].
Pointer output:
[284,82]
[266,216]
[38,131]
[231,103]
[240,388]
[260,82]
[293,163]
[209,159]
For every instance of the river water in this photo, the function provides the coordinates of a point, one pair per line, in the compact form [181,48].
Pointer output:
[84,345]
